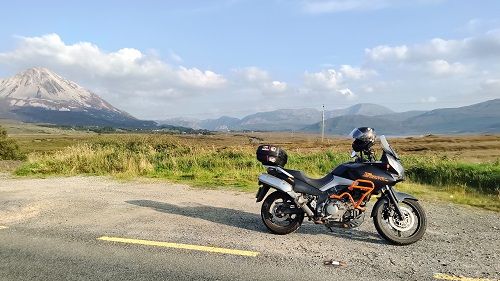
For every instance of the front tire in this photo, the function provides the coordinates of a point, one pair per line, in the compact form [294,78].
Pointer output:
[274,216]
[404,231]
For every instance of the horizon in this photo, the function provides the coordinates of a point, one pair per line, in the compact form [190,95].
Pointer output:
[235,57]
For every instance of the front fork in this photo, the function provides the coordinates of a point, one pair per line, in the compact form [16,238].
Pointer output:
[389,192]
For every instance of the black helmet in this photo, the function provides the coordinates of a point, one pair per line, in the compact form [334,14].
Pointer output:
[364,138]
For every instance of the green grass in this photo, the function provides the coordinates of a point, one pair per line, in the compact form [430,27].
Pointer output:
[236,167]
[454,194]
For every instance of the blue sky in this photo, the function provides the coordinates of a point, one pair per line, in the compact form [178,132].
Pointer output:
[160,59]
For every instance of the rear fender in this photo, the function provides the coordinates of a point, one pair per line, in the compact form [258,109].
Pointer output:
[263,189]
[268,181]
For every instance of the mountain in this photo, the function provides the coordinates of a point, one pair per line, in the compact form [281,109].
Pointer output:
[343,125]
[277,120]
[181,121]
[223,123]
[40,95]
[366,109]
[477,118]
[280,120]
[482,117]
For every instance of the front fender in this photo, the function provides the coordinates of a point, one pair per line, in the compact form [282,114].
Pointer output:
[400,196]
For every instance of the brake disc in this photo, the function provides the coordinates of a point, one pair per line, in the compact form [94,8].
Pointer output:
[404,224]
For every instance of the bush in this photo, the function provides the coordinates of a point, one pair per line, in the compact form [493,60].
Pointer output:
[9,150]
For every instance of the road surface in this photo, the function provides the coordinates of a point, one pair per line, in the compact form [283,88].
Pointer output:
[96,228]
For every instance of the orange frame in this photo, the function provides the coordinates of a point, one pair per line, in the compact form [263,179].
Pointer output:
[355,185]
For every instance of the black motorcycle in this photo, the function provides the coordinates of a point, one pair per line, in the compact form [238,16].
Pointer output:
[339,199]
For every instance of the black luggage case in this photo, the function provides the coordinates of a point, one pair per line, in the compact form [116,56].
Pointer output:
[271,155]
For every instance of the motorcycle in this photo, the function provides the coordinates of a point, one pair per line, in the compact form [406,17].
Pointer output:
[339,199]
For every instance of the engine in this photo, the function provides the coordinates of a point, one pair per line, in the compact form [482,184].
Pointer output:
[335,210]
[342,214]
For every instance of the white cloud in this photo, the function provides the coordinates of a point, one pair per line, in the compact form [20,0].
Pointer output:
[328,79]
[256,79]
[333,81]
[337,6]
[346,92]
[442,67]
[84,61]
[482,46]
[384,52]
[355,72]
[279,86]
[429,99]
[334,6]
[175,57]
[201,79]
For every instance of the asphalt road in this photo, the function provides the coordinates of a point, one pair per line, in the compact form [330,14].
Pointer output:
[50,230]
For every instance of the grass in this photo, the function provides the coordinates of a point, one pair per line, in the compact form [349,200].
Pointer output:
[210,162]
[455,194]
[459,169]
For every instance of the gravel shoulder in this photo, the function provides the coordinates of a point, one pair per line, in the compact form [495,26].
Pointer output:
[459,241]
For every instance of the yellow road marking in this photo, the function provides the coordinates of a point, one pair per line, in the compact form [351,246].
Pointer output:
[180,246]
[3,227]
[442,276]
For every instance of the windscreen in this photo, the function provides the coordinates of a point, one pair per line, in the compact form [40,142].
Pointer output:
[387,147]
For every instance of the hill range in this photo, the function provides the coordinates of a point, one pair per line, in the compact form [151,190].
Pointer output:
[39,95]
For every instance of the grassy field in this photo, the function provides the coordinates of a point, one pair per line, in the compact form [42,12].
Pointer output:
[467,168]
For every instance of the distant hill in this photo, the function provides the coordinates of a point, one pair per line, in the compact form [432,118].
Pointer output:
[477,118]
[40,95]
[367,109]
[482,117]
[277,120]
[223,123]
[343,125]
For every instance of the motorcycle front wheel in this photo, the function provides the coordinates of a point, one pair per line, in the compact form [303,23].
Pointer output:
[400,231]
[280,214]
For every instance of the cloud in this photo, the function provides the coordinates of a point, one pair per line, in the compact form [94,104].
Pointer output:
[429,99]
[123,70]
[442,67]
[258,80]
[328,79]
[175,57]
[356,73]
[486,45]
[346,92]
[336,81]
[334,6]
[337,6]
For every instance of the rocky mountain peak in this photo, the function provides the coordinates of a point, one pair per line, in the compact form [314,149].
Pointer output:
[42,88]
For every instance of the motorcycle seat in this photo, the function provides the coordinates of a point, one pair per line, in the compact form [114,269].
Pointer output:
[317,183]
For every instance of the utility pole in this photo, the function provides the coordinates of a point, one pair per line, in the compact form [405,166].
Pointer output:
[323,124]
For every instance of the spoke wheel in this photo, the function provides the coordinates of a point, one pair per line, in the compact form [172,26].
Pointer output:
[275,213]
[400,231]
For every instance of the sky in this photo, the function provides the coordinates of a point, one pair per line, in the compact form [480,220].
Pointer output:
[205,59]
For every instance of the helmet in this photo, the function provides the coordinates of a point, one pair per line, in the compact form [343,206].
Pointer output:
[364,138]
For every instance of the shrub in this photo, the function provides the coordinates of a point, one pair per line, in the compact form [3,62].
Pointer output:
[9,150]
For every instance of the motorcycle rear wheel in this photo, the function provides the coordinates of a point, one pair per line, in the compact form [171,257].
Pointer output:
[273,217]
[404,231]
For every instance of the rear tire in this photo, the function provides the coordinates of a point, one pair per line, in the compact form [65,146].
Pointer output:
[400,232]
[273,218]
